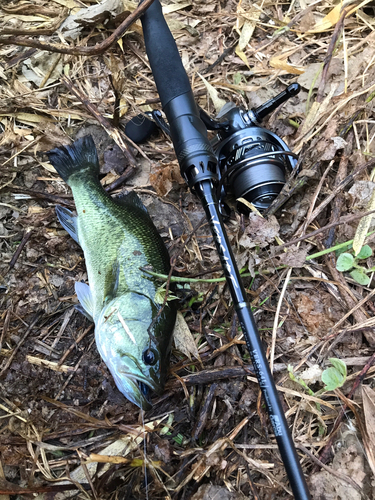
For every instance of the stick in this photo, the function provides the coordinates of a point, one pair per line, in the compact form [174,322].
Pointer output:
[97,49]
[343,220]
[11,357]
[21,246]
[328,58]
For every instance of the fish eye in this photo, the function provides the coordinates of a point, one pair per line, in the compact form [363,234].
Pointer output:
[149,356]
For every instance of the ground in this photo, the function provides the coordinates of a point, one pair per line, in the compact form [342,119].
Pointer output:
[65,429]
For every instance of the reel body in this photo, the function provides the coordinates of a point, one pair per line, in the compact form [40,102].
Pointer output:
[253,161]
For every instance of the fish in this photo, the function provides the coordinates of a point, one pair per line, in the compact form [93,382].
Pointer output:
[133,332]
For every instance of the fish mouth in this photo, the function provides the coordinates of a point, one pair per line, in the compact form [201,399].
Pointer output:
[137,389]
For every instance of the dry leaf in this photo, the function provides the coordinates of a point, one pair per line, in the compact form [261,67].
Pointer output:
[167,9]
[294,257]
[246,20]
[333,17]
[363,226]
[43,68]
[28,118]
[69,4]
[71,29]
[368,396]
[217,102]
[315,113]
[246,33]
[280,62]
[259,231]
[163,177]
[121,447]
[184,339]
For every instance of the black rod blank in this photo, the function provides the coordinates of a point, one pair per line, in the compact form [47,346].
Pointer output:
[195,156]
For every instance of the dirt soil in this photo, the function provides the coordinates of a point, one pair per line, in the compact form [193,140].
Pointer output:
[65,429]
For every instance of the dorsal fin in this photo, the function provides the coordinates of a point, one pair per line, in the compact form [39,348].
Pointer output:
[130,199]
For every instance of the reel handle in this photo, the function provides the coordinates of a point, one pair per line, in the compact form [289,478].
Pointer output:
[269,106]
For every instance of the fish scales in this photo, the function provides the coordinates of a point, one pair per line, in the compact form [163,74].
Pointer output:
[109,230]
[118,238]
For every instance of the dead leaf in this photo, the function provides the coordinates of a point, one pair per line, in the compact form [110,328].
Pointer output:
[217,102]
[368,396]
[280,62]
[294,257]
[43,68]
[334,146]
[312,309]
[174,7]
[163,177]
[70,27]
[247,29]
[184,339]
[259,231]
[307,22]
[361,193]
[333,17]
[363,226]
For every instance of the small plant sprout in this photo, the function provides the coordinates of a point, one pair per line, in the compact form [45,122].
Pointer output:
[299,380]
[334,376]
[347,262]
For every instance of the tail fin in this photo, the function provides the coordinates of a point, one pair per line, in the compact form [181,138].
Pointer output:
[80,156]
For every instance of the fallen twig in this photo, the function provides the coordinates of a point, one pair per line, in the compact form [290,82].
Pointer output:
[21,246]
[340,176]
[20,343]
[342,477]
[328,58]
[97,49]
[343,220]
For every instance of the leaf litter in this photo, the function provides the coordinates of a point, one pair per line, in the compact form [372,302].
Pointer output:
[58,403]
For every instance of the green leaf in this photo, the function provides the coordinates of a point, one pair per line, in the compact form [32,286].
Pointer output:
[360,276]
[179,439]
[344,248]
[237,77]
[365,252]
[345,262]
[334,376]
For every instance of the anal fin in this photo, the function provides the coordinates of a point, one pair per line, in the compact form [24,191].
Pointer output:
[86,300]
[83,311]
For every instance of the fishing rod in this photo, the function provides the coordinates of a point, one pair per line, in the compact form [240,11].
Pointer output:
[247,159]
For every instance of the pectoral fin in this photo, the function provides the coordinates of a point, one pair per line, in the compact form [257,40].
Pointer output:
[86,300]
[68,222]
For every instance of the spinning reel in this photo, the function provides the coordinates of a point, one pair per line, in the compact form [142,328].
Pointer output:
[251,161]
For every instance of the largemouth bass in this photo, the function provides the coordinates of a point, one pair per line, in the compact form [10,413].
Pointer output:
[118,237]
